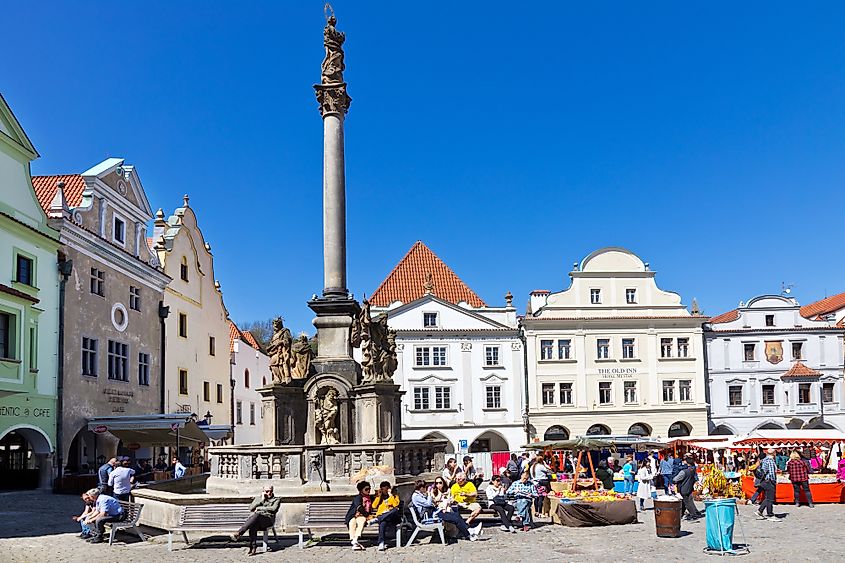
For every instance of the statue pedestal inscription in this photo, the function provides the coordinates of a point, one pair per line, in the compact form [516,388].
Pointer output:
[377,408]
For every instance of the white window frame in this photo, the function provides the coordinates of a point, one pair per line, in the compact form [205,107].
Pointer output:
[733,388]
[564,351]
[629,351]
[547,352]
[493,397]
[672,388]
[442,398]
[422,398]
[631,296]
[629,386]
[566,386]
[763,394]
[682,388]
[430,356]
[544,387]
[682,345]
[600,347]
[491,356]
[608,387]
[664,351]
[595,296]
[436,319]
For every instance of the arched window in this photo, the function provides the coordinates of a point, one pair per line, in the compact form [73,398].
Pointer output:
[640,429]
[556,433]
[183,269]
[264,382]
[679,429]
[246,379]
[598,430]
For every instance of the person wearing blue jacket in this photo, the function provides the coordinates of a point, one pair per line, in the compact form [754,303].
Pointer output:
[667,471]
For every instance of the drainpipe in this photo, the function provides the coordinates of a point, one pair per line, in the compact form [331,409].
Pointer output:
[65,269]
[232,403]
[163,312]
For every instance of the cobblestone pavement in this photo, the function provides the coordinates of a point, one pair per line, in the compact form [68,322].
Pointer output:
[37,527]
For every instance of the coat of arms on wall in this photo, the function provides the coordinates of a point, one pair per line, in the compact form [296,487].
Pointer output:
[774,352]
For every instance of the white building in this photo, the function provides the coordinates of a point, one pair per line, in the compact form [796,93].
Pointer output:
[614,354]
[460,360]
[769,365]
[250,370]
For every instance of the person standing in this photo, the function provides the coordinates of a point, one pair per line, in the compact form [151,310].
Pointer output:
[768,483]
[178,469]
[800,478]
[106,509]
[605,476]
[263,515]
[629,471]
[666,469]
[645,478]
[495,492]
[513,467]
[541,476]
[686,479]
[386,505]
[103,474]
[120,481]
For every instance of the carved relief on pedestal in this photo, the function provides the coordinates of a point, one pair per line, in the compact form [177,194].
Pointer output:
[325,416]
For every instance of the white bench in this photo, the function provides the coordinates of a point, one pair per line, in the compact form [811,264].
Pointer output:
[133,513]
[214,518]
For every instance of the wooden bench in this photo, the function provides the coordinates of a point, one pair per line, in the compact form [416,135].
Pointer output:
[332,516]
[133,513]
[214,518]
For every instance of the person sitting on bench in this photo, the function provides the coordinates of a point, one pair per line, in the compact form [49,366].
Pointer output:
[264,509]
[496,492]
[359,511]
[106,509]
[428,511]
[386,506]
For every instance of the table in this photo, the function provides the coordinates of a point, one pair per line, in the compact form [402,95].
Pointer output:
[822,492]
[582,514]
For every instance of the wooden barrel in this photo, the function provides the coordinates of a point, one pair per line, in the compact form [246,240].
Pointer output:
[667,518]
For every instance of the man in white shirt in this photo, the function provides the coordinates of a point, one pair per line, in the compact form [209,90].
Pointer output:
[121,479]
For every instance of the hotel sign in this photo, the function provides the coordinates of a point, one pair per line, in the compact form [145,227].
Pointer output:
[619,373]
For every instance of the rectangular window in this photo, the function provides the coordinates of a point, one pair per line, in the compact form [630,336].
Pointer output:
[7,345]
[628,348]
[98,282]
[564,349]
[631,296]
[33,349]
[565,393]
[491,355]
[134,298]
[804,397]
[735,395]
[548,392]
[89,357]
[183,269]
[669,391]
[183,325]
[748,350]
[206,391]
[119,230]
[438,355]
[797,349]
[183,382]
[546,349]
[429,320]
[143,368]
[630,392]
[595,296]
[252,414]
[768,394]
[118,361]
[442,398]
[827,392]
[603,348]
[211,343]
[494,396]
[683,347]
[219,392]
[421,401]
[665,347]
[605,392]
[685,390]
[431,356]
[23,273]
[770,320]
[239,412]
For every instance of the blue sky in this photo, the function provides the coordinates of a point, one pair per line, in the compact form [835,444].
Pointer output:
[709,138]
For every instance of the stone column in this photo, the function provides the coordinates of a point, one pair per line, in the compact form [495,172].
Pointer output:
[334,207]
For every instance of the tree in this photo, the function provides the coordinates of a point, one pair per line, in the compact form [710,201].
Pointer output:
[262,331]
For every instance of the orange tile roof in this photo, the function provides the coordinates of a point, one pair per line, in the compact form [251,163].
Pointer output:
[45,189]
[798,369]
[728,317]
[824,306]
[250,339]
[237,334]
[407,282]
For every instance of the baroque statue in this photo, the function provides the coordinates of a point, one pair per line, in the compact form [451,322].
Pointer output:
[332,67]
[300,361]
[325,417]
[378,346]
[280,352]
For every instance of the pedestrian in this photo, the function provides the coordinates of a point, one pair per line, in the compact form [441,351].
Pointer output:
[178,469]
[800,478]
[753,468]
[605,476]
[685,480]
[629,471]
[541,475]
[524,492]
[103,474]
[666,469]
[356,517]
[513,467]
[645,479]
[496,498]
[386,507]
[121,479]
[106,509]
[263,515]
[768,483]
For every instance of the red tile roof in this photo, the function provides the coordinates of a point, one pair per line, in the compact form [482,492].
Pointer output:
[824,306]
[407,282]
[800,370]
[237,334]
[250,339]
[45,189]
[728,317]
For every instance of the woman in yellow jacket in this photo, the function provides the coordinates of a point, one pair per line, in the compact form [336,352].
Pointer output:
[386,507]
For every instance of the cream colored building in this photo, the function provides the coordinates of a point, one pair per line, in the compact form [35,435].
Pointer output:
[614,354]
[197,362]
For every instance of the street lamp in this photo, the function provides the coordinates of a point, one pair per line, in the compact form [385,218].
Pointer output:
[208,416]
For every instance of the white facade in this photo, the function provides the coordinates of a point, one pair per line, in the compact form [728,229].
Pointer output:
[614,354]
[250,370]
[750,352]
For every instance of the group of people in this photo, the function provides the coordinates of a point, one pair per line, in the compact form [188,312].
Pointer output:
[765,469]
[100,509]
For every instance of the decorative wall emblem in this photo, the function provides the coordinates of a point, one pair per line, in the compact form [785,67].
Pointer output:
[516,346]
[466,346]
[119,317]
[774,352]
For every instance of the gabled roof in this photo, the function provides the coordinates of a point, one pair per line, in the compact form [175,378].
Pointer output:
[419,271]
[45,189]
[728,317]
[18,139]
[429,298]
[824,306]
[237,334]
[798,369]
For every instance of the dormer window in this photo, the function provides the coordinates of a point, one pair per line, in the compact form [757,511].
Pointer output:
[595,296]
[770,320]
[183,269]
[119,230]
[630,296]
[429,320]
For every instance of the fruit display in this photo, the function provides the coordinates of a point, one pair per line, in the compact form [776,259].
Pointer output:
[714,484]
[588,496]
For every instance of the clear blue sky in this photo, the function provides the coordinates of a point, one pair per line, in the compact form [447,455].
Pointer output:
[709,138]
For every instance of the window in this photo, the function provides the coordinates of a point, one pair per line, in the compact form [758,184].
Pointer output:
[735,395]
[421,402]
[239,412]
[770,320]
[548,392]
[183,325]
[431,356]
[246,379]
[595,296]
[603,348]
[252,414]
[685,390]
[669,391]
[827,392]
[797,348]
[183,269]
[628,348]
[546,349]
[206,391]
[630,388]
[98,282]
[119,230]
[143,368]
[631,296]
[7,344]
[565,393]
[23,273]
[219,392]
[118,361]
[804,394]
[605,392]
[33,349]
[491,355]
[89,356]
[183,382]
[430,320]
[683,347]
[211,343]
[134,298]
[749,352]
[494,396]
[443,398]
[665,347]
[768,394]
[564,349]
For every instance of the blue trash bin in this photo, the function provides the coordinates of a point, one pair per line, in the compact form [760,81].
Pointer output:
[720,515]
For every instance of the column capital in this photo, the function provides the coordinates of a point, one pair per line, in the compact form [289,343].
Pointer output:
[333,99]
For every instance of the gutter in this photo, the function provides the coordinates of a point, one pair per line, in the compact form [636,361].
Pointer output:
[526,422]
[163,312]
[65,269]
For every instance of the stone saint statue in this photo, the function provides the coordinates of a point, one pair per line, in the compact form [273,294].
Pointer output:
[280,352]
[378,346]
[325,417]
[332,67]
[301,355]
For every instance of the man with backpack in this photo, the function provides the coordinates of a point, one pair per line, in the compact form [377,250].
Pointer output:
[768,482]
[513,468]
[685,480]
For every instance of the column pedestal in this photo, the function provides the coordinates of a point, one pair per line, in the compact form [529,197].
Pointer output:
[377,413]
[284,410]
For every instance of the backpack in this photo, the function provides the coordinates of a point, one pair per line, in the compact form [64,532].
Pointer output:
[759,473]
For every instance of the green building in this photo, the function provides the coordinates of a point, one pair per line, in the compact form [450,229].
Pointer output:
[29,318]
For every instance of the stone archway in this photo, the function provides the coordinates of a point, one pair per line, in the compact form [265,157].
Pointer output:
[26,455]
[723,430]
[556,432]
[679,429]
[640,429]
[770,426]
[450,447]
[489,441]
[598,430]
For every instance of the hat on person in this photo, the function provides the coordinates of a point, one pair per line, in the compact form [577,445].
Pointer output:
[467,458]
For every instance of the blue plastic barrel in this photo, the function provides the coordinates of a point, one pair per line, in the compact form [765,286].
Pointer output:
[720,515]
